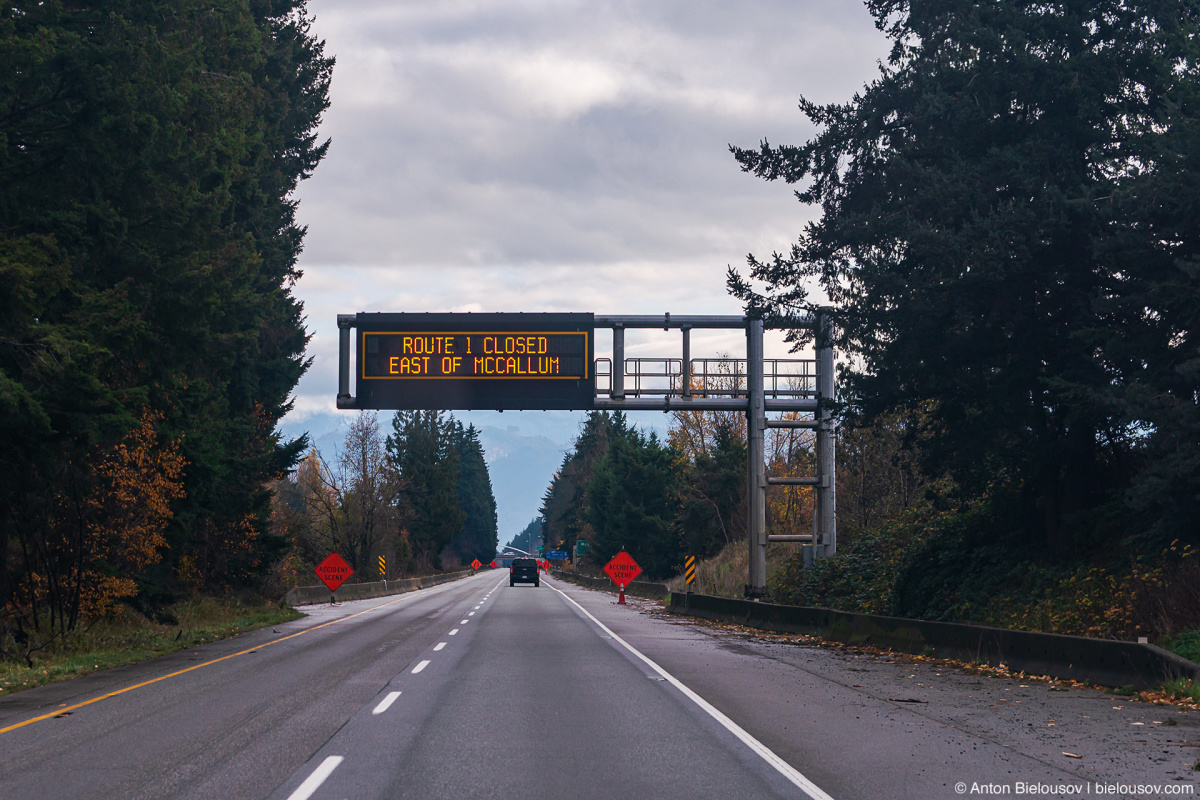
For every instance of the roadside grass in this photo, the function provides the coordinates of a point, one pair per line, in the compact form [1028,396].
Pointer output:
[724,575]
[1186,644]
[1182,689]
[131,637]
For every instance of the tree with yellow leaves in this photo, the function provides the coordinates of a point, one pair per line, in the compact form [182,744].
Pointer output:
[105,529]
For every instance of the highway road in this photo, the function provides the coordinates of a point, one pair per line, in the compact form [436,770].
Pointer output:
[479,689]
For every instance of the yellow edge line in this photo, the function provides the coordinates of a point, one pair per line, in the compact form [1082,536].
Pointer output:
[66,709]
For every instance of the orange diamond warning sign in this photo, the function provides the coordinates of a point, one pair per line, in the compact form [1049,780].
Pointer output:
[333,571]
[622,569]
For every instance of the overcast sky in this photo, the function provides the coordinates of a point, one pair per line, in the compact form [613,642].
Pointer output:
[542,155]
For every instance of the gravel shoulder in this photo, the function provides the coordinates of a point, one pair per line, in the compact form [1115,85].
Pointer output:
[853,717]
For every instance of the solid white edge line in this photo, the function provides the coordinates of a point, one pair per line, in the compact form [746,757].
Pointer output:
[438,646]
[386,703]
[765,753]
[314,781]
[420,666]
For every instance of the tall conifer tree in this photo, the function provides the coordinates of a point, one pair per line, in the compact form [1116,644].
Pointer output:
[148,245]
[1008,238]
[423,452]
[478,538]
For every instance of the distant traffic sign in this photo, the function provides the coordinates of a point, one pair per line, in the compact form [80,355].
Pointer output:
[492,565]
[333,571]
[622,569]
[556,555]
[476,564]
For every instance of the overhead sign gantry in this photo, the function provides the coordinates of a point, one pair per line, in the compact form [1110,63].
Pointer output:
[548,362]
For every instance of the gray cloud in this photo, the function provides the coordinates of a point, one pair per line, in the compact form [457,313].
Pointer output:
[566,133]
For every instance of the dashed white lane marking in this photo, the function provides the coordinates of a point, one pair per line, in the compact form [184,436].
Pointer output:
[478,607]
[420,666]
[766,754]
[386,703]
[471,614]
[314,781]
[438,646]
[454,631]
[464,622]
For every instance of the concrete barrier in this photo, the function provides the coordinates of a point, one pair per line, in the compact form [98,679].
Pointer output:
[308,595]
[637,588]
[1102,661]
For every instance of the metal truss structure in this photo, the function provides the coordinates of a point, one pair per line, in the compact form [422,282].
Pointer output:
[753,385]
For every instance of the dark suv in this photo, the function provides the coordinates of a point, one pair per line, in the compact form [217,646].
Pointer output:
[524,570]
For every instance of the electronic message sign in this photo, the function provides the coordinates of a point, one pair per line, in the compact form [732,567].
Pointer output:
[475,361]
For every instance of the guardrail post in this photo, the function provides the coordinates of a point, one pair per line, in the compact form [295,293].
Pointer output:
[756,421]
[825,521]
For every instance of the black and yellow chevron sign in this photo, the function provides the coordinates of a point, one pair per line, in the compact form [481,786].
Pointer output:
[382,566]
[689,570]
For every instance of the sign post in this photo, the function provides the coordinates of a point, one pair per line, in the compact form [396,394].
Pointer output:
[622,569]
[333,572]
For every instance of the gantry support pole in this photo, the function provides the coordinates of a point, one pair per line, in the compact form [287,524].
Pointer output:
[617,389]
[685,372]
[756,422]
[825,516]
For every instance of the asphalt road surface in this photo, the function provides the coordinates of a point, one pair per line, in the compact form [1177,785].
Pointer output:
[479,689]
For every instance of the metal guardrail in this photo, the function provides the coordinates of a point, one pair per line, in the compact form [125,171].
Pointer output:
[709,377]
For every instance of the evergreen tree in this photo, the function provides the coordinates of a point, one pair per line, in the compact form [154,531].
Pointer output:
[478,538]
[633,503]
[422,451]
[1008,237]
[564,506]
[149,151]
[530,536]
